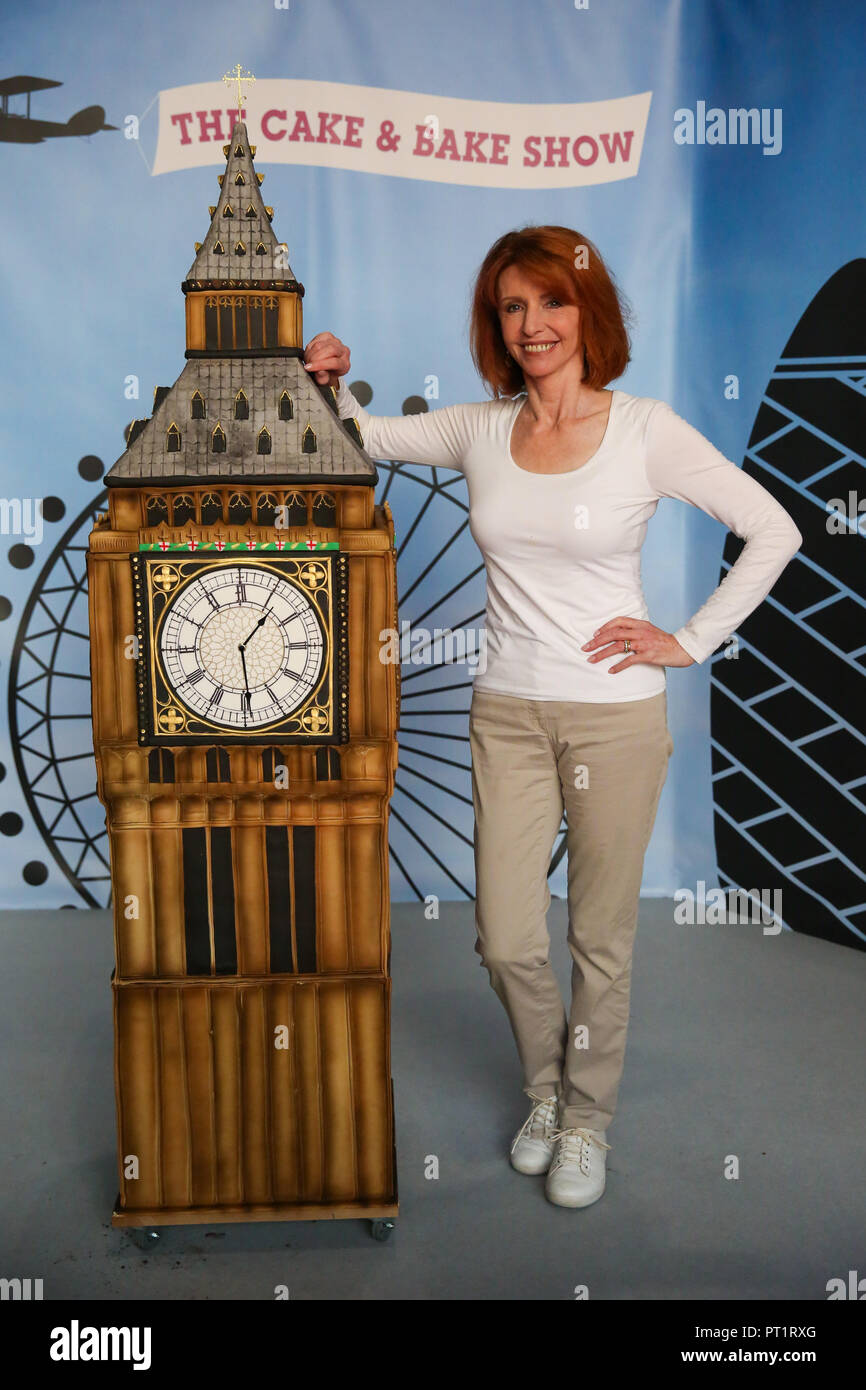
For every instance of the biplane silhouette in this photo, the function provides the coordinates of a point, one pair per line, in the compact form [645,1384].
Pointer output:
[25,129]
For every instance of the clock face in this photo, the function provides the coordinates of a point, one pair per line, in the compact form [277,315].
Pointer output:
[241,646]
[242,649]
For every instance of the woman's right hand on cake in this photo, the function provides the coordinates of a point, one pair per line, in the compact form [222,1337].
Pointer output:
[327,359]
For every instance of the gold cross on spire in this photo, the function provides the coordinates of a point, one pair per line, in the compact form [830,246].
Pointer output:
[237,76]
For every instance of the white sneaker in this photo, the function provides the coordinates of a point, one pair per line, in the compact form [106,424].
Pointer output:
[532,1148]
[577,1174]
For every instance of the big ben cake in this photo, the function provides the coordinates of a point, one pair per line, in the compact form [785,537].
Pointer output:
[245,741]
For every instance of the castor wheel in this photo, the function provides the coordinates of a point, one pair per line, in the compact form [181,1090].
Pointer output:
[145,1237]
[381,1228]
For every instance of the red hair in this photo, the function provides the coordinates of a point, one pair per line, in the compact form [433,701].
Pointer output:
[548,256]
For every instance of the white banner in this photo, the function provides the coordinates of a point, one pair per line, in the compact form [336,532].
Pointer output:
[410,135]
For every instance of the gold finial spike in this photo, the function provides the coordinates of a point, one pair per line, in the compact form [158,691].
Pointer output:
[236,75]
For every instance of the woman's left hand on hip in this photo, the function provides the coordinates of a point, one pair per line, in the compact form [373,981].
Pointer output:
[648,645]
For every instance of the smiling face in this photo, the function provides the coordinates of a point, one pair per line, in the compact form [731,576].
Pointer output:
[540,331]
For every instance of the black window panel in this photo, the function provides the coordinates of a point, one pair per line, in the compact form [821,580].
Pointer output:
[218,765]
[211,509]
[195,902]
[242,331]
[198,409]
[218,445]
[182,510]
[266,509]
[298,510]
[242,407]
[324,509]
[226,330]
[239,507]
[157,510]
[211,328]
[279,900]
[154,766]
[271,327]
[263,442]
[287,409]
[323,771]
[304,881]
[257,339]
[308,442]
[223,899]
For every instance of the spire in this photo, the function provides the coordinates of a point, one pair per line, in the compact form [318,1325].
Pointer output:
[240,244]
[244,408]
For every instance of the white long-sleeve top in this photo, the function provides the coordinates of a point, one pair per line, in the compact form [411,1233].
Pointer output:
[562,550]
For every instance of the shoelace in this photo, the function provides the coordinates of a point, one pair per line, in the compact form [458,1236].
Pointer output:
[538,1121]
[574,1144]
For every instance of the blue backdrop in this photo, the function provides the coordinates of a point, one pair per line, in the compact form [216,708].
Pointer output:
[720,248]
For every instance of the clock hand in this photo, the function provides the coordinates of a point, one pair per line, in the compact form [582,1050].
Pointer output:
[246,697]
[262,619]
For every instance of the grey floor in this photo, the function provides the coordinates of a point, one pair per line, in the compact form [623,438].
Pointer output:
[740,1044]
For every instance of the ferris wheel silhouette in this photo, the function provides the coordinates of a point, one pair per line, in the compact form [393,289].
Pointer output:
[441,591]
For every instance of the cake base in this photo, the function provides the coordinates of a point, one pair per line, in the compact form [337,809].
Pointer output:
[196,1216]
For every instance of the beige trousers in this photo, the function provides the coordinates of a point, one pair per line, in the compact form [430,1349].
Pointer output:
[604,765]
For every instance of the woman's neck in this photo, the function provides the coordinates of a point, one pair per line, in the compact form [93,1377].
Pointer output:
[561,396]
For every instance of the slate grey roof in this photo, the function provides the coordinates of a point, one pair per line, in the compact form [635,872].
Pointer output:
[239,227]
[338,457]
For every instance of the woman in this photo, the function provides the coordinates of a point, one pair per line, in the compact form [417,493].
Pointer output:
[570,713]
